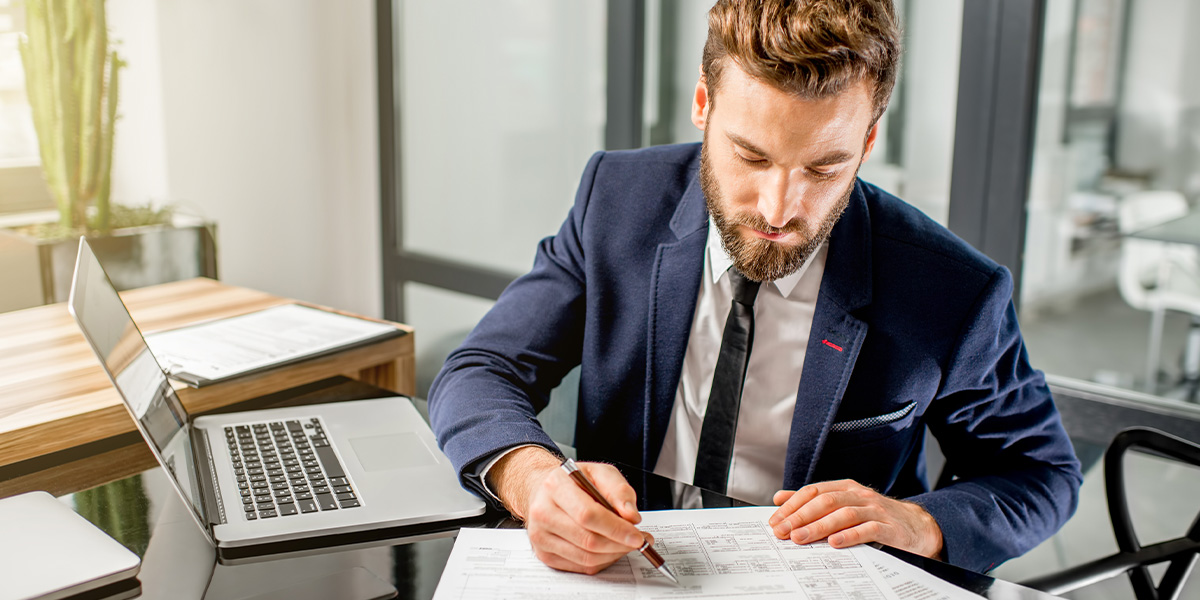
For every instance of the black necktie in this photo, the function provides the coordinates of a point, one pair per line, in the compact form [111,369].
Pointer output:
[720,418]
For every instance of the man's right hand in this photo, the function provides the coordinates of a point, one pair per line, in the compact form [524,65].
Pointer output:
[567,529]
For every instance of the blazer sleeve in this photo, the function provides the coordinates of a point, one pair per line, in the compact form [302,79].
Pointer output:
[1017,475]
[489,391]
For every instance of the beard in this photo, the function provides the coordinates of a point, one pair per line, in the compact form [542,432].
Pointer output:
[757,258]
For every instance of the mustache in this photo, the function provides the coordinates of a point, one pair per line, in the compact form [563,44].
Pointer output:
[756,221]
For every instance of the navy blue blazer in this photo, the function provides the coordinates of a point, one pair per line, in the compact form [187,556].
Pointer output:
[914,319]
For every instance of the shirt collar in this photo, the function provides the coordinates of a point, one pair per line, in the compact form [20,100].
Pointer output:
[720,262]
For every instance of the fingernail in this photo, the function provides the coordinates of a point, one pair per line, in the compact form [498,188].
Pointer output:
[634,540]
[782,528]
[800,535]
[774,520]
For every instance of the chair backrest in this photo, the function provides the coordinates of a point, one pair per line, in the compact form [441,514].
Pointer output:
[1140,258]
[1134,558]
[1182,552]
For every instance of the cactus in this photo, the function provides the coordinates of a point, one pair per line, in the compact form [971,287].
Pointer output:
[71,78]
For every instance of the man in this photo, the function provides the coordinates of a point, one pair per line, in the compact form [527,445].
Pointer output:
[751,317]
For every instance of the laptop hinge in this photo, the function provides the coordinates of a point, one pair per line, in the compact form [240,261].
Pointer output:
[207,471]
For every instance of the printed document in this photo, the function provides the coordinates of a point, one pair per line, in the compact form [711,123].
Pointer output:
[716,553]
[224,348]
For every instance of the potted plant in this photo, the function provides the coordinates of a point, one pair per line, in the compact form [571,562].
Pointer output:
[72,81]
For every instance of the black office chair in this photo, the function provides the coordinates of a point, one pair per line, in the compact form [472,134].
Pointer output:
[1133,558]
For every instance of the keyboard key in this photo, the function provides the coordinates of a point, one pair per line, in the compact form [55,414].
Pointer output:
[294,426]
[320,489]
[349,503]
[341,489]
[267,514]
[330,461]
[348,496]
[326,502]
[287,509]
[248,507]
[303,496]
[306,505]
[338,481]
[266,505]
[251,516]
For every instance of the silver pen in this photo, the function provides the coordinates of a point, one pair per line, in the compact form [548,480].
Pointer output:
[647,550]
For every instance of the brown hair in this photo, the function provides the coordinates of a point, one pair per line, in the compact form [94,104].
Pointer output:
[812,48]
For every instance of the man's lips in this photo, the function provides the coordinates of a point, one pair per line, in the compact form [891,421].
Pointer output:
[774,237]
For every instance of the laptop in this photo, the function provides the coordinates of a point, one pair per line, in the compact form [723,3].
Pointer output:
[282,480]
[50,552]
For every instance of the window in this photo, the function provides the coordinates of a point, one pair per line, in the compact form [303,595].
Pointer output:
[21,185]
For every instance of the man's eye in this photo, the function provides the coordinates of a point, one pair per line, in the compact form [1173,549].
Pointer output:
[822,174]
[750,160]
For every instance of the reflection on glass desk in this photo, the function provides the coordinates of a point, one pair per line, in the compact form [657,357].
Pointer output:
[144,513]
[1184,230]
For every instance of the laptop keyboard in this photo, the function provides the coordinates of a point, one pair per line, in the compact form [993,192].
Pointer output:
[285,468]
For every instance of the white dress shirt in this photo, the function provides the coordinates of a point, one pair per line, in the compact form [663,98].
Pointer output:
[783,314]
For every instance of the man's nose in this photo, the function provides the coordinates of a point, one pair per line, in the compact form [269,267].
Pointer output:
[779,200]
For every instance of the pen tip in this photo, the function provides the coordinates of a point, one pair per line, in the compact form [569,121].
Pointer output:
[670,575]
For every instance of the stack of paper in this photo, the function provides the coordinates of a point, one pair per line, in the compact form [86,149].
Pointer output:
[716,553]
[218,350]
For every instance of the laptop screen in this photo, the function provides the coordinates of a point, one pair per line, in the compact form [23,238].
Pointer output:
[135,373]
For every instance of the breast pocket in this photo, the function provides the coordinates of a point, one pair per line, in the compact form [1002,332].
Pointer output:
[871,450]
[870,429]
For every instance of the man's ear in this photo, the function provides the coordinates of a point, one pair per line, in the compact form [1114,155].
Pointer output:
[701,103]
[870,145]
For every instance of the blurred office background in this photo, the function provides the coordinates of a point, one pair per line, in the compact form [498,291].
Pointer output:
[402,158]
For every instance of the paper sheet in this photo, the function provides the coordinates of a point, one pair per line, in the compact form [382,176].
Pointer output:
[716,553]
[911,583]
[227,347]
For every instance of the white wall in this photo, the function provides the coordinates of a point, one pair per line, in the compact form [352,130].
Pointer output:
[267,124]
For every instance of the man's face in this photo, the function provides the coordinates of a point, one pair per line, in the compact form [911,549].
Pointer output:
[777,170]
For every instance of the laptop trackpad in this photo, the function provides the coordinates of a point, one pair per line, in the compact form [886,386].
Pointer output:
[393,451]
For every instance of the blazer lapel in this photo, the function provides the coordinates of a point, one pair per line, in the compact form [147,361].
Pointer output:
[674,284]
[835,339]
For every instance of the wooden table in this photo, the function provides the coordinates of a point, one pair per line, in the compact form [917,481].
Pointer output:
[58,410]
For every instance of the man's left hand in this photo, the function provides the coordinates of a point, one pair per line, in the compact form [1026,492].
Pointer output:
[848,513]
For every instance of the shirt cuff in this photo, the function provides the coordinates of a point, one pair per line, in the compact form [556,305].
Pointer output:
[488,467]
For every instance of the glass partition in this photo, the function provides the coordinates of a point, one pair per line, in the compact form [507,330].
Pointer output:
[1117,152]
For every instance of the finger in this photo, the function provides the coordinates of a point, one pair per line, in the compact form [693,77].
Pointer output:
[863,533]
[791,505]
[559,553]
[823,505]
[810,502]
[780,497]
[843,518]
[547,514]
[590,517]
[615,489]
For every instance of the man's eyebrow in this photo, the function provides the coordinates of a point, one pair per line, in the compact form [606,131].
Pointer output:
[747,144]
[833,158]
